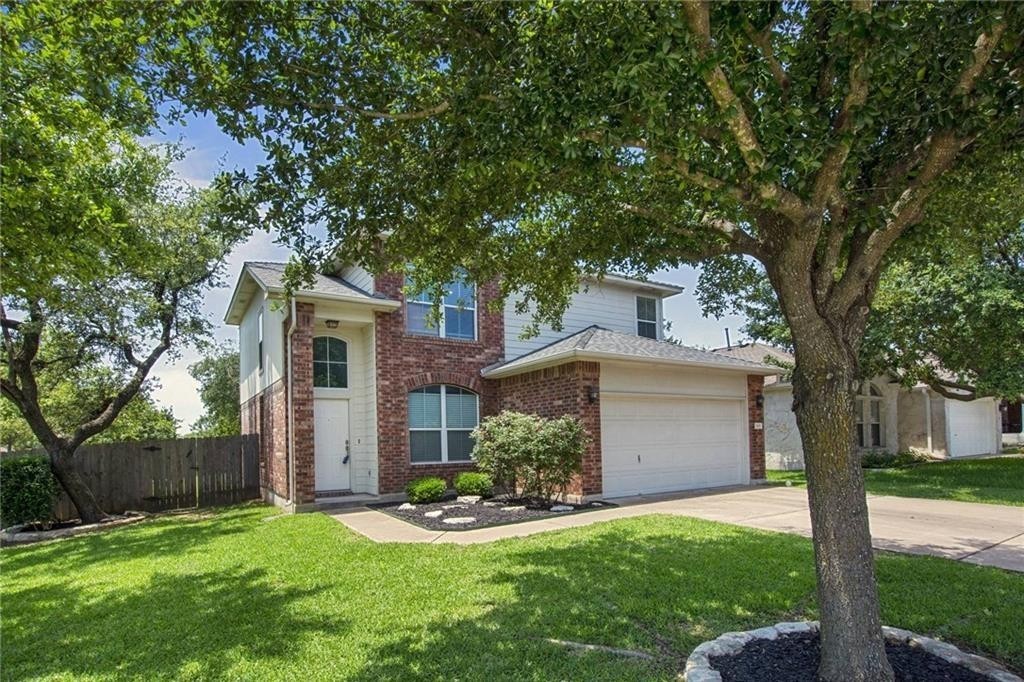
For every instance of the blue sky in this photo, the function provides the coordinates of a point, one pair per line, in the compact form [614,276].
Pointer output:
[209,151]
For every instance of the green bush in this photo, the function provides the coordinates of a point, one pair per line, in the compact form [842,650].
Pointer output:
[426,489]
[885,460]
[474,483]
[530,455]
[28,491]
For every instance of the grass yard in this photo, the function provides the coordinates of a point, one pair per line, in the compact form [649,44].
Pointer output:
[998,480]
[246,594]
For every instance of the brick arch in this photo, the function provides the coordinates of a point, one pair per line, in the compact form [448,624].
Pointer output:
[461,379]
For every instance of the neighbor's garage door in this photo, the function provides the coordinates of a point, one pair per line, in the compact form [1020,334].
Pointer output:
[972,427]
[666,443]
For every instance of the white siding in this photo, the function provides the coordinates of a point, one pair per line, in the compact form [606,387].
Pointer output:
[608,305]
[251,379]
[668,380]
[360,277]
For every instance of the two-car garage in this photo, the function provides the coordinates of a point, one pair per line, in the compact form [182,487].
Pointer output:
[665,429]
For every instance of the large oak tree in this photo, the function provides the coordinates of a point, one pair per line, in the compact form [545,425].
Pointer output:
[533,142]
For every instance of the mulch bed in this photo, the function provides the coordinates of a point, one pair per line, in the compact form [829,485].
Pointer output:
[794,658]
[485,513]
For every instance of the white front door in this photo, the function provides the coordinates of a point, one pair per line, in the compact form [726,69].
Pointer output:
[667,443]
[330,444]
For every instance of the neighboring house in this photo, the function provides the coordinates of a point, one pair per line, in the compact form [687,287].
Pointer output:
[354,394]
[890,417]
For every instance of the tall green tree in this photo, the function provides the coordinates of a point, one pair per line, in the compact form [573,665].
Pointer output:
[106,257]
[63,403]
[217,374]
[536,141]
[949,310]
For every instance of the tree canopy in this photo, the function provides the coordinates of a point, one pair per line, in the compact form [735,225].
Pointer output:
[217,374]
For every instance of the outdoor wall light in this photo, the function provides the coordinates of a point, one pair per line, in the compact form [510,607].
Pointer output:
[331,324]
[592,394]
[759,400]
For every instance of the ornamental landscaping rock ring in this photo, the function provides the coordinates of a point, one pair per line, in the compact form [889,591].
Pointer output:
[701,668]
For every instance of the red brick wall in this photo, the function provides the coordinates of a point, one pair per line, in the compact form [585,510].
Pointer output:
[755,387]
[557,391]
[264,414]
[302,401]
[406,361]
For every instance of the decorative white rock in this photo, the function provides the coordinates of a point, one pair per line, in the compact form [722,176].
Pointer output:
[562,508]
[453,506]
[492,504]
[698,665]
[513,509]
[468,499]
[433,514]
[405,506]
[459,520]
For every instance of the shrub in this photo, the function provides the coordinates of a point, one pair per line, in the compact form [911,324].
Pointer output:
[426,489]
[885,460]
[530,454]
[28,491]
[474,483]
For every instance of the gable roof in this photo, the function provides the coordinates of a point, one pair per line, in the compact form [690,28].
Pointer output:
[598,343]
[269,277]
[755,352]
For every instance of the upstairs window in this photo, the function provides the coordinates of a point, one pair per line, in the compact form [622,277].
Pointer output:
[458,312]
[259,340]
[647,317]
[330,362]
[440,421]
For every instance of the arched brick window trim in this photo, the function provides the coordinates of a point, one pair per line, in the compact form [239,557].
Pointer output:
[470,381]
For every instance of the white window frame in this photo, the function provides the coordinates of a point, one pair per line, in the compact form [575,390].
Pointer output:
[862,412]
[636,314]
[441,329]
[259,340]
[348,361]
[444,426]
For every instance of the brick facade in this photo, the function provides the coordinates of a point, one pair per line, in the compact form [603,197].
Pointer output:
[557,391]
[406,361]
[265,414]
[302,402]
[755,415]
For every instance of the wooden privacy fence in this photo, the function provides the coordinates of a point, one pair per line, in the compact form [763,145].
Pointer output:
[168,474]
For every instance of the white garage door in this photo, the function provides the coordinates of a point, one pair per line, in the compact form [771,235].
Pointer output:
[667,443]
[972,427]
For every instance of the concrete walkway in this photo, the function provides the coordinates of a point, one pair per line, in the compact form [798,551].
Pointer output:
[987,534]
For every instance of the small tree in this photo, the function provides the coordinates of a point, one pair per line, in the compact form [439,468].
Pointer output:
[530,455]
[217,374]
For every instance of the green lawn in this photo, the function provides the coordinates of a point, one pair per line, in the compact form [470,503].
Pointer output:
[246,594]
[999,480]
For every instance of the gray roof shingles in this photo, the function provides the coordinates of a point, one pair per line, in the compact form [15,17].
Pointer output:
[598,340]
[271,276]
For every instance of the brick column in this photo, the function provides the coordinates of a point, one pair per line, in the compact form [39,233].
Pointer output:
[755,415]
[302,404]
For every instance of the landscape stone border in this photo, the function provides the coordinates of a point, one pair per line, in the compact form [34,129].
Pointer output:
[13,536]
[698,665]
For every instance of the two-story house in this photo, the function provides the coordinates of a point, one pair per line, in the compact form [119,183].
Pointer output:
[355,391]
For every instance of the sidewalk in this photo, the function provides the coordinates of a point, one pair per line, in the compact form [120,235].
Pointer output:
[986,534]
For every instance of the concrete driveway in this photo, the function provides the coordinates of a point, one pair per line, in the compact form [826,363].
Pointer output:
[987,534]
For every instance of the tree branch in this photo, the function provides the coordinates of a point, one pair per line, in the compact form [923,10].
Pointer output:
[763,41]
[827,178]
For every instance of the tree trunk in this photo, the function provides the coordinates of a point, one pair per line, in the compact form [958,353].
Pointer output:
[62,466]
[852,646]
